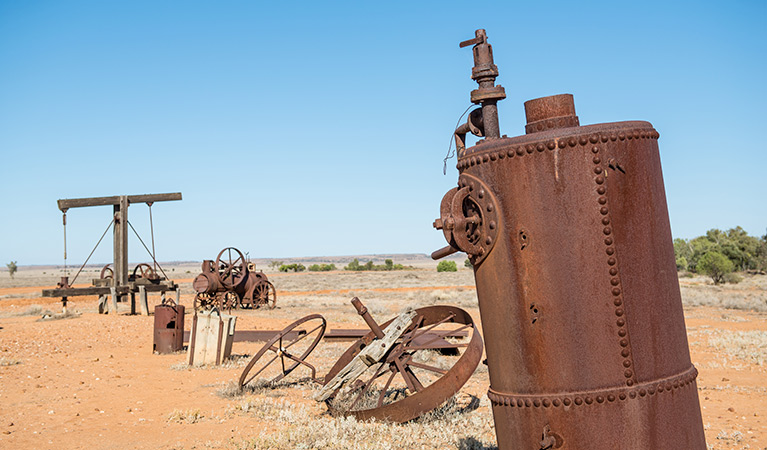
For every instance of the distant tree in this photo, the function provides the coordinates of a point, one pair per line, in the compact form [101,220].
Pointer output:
[468,263]
[681,263]
[715,265]
[447,266]
[275,264]
[389,264]
[12,268]
[354,265]
[322,267]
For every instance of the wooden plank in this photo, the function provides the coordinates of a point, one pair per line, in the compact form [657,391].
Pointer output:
[144,198]
[114,300]
[369,356]
[74,292]
[101,290]
[142,301]
[67,203]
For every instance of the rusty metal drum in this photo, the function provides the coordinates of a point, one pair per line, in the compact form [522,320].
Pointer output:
[581,312]
[168,328]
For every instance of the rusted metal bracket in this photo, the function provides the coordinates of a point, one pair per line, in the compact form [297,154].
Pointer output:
[469,219]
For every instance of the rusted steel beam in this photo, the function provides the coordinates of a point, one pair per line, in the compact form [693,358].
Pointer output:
[258,335]
[568,232]
[68,203]
[341,334]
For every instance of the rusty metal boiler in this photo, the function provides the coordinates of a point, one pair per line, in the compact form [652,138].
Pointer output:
[168,327]
[568,230]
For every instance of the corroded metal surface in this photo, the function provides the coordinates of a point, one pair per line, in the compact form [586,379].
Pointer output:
[578,292]
[168,327]
[291,348]
[231,282]
[399,386]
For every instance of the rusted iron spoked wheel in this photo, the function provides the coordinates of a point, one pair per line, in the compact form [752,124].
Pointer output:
[204,302]
[228,301]
[145,271]
[231,267]
[420,372]
[265,295]
[107,273]
[290,348]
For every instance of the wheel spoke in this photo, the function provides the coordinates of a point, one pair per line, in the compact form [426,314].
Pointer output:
[402,371]
[411,363]
[385,388]
[420,332]
[260,370]
[414,380]
[441,335]
[367,385]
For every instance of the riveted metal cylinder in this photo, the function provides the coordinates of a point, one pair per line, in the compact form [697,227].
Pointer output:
[168,328]
[578,292]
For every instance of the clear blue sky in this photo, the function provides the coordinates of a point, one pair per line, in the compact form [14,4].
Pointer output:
[319,128]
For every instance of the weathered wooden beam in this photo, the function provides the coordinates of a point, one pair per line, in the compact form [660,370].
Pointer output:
[105,290]
[370,355]
[67,203]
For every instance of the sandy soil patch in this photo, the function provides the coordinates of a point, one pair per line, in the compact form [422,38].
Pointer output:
[91,381]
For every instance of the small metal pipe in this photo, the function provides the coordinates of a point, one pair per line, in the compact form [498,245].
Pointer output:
[363,311]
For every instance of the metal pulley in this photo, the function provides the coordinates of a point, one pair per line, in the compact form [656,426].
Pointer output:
[469,219]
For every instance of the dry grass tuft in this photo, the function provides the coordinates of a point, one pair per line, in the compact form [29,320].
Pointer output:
[749,346]
[297,427]
[5,361]
[51,316]
[189,416]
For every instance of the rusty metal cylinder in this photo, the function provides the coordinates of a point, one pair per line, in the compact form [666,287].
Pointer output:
[168,328]
[577,285]
[206,283]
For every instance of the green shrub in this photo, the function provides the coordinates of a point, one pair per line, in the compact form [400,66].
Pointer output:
[732,278]
[292,268]
[387,265]
[12,268]
[468,263]
[715,265]
[447,266]
[322,267]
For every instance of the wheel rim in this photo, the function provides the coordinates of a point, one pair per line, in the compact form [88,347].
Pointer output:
[280,346]
[402,386]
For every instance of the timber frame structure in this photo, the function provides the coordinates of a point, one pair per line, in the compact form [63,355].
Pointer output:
[121,284]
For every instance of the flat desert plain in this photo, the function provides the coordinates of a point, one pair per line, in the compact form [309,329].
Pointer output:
[92,381]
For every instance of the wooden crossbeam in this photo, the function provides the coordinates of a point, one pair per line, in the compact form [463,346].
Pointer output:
[67,203]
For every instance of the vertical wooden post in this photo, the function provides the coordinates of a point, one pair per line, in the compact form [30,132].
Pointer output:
[121,243]
[132,303]
[114,299]
[142,300]
[103,305]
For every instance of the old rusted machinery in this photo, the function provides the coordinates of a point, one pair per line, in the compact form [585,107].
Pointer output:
[289,347]
[168,327]
[115,281]
[398,371]
[231,282]
[568,231]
